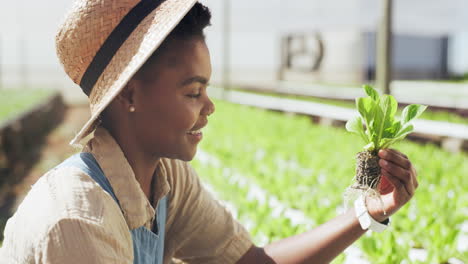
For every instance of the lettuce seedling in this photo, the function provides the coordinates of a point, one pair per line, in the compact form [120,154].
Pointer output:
[382,129]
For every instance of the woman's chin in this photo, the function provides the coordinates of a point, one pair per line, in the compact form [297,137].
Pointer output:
[187,156]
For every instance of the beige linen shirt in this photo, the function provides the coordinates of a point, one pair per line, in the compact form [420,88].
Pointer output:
[68,218]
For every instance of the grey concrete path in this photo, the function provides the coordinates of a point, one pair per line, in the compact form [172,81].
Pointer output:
[433,94]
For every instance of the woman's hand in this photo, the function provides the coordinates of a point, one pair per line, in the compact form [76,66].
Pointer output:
[397,185]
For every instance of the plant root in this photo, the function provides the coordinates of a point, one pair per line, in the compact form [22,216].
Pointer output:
[366,180]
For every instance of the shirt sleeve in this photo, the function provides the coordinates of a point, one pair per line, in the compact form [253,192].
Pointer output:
[203,230]
[83,241]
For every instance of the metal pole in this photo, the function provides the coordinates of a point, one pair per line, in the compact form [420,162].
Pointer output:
[23,63]
[1,65]
[283,43]
[384,49]
[226,47]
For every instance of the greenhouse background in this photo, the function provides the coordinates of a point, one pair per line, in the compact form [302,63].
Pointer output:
[285,77]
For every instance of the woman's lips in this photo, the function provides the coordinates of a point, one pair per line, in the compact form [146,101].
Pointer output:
[196,135]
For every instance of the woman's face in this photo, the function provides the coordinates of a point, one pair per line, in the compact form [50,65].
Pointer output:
[172,106]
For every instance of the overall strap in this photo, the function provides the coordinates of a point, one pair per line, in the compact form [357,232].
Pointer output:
[148,247]
[161,223]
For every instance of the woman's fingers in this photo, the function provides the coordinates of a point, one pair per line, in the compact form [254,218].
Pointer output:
[396,157]
[397,184]
[386,186]
[408,187]
[397,168]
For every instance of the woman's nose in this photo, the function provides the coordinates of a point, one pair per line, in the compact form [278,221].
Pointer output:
[209,107]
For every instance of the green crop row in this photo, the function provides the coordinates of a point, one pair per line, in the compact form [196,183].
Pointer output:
[264,222]
[249,210]
[428,114]
[14,101]
[308,168]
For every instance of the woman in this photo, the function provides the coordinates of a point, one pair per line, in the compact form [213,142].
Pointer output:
[130,195]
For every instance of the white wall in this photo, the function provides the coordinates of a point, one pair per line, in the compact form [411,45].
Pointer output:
[458,55]
[256,29]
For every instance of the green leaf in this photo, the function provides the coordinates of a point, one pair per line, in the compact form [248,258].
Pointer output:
[390,105]
[405,130]
[366,108]
[369,146]
[355,125]
[386,142]
[376,125]
[392,130]
[384,117]
[412,111]
[371,92]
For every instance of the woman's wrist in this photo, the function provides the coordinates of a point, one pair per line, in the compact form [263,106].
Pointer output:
[376,211]
[366,220]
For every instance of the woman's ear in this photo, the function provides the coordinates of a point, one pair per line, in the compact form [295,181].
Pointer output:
[126,97]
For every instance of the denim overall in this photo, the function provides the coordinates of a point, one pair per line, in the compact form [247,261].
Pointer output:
[148,246]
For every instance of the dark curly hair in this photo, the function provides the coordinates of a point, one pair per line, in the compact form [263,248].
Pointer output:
[191,26]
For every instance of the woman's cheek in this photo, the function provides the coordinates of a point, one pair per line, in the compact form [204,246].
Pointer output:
[186,118]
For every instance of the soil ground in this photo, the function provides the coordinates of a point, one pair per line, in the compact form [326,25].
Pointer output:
[54,150]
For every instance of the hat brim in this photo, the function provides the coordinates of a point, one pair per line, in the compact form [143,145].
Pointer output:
[133,53]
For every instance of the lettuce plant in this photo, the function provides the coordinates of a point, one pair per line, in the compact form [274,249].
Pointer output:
[382,129]
[378,114]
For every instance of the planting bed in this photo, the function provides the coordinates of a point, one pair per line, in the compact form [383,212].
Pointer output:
[15,101]
[26,116]
[306,168]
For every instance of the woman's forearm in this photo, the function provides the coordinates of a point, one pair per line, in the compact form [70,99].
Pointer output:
[319,245]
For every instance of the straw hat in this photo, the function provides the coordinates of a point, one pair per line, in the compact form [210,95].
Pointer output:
[103,43]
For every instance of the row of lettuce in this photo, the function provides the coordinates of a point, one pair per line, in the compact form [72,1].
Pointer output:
[15,101]
[307,168]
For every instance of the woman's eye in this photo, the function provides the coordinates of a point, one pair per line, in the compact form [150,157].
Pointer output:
[194,95]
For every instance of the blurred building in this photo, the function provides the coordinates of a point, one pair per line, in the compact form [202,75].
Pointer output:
[433,35]
[430,37]
[350,57]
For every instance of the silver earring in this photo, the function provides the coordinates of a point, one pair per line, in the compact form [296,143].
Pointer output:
[131,109]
